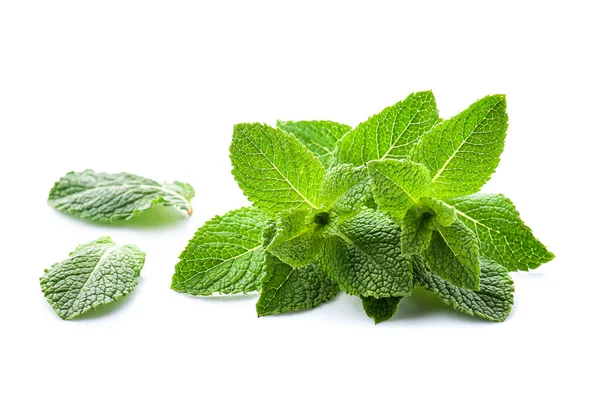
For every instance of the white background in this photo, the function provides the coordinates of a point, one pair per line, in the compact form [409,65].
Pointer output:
[154,88]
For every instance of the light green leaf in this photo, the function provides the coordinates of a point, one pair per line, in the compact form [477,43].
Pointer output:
[294,242]
[105,197]
[380,309]
[493,301]
[319,136]
[345,190]
[502,234]
[417,228]
[445,214]
[97,273]
[275,170]
[287,289]
[365,259]
[463,152]
[390,134]
[224,256]
[454,255]
[398,185]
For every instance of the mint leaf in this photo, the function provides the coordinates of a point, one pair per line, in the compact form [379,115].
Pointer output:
[364,257]
[106,197]
[417,228]
[454,255]
[493,301]
[445,214]
[463,152]
[96,273]
[502,234]
[390,134]
[398,185]
[287,289]
[294,242]
[275,170]
[380,309]
[345,190]
[224,256]
[319,136]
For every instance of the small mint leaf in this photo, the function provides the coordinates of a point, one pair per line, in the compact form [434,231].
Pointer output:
[380,309]
[96,273]
[319,136]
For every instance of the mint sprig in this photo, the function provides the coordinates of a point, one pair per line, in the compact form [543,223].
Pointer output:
[374,211]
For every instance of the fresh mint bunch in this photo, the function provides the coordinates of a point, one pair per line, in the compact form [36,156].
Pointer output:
[374,211]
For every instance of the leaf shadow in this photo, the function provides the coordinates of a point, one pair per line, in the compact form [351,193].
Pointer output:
[156,217]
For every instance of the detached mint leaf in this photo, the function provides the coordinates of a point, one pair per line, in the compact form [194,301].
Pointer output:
[463,152]
[380,309]
[454,255]
[390,134]
[275,170]
[225,255]
[493,301]
[365,258]
[346,190]
[287,289]
[398,185]
[502,234]
[319,136]
[417,228]
[97,273]
[106,197]
[294,242]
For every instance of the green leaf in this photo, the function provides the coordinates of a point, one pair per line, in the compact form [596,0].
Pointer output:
[105,197]
[365,259]
[345,190]
[294,242]
[97,273]
[275,170]
[224,256]
[417,229]
[319,136]
[390,134]
[287,289]
[445,214]
[502,234]
[454,255]
[493,301]
[463,152]
[380,309]
[398,185]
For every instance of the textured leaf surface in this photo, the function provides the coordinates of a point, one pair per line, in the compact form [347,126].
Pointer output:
[454,255]
[105,197]
[96,273]
[274,169]
[493,301]
[463,152]
[345,190]
[287,289]
[502,234]
[319,136]
[417,229]
[380,309]
[390,134]
[364,258]
[398,185]
[294,242]
[445,214]
[224,256]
